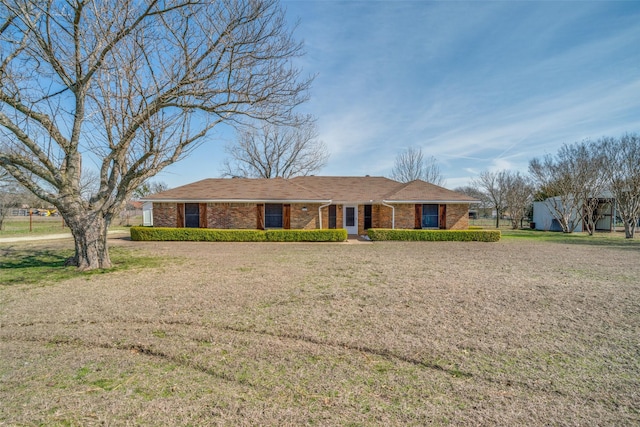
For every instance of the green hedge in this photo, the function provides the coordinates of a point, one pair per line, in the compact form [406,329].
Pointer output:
[219,235]
[196,234]
[435,235]
[335,235]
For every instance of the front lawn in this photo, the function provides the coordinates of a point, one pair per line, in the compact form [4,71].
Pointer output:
[531,330]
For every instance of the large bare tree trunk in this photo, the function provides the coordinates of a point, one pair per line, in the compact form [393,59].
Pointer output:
[90,236]
[134,86]
[630,228]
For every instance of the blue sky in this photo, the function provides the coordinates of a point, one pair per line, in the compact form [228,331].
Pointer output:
[478,85]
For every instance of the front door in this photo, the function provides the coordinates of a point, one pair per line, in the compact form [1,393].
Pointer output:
[351,219]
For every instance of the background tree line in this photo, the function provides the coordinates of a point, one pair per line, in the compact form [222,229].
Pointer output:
[571,182]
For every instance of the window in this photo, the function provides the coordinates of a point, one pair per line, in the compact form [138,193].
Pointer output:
[273,215]
[430,216]
[350,220]
[367,217]
[332,216]
[191,215]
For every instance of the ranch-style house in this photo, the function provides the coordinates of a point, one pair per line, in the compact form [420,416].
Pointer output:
[309,202]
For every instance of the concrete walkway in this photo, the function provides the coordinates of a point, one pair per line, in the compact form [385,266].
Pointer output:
[354,238]
[56,236]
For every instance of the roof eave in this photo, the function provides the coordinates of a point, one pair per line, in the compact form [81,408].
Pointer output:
[406,202]
[236,200]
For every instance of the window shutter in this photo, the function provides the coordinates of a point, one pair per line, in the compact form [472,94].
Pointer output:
[286,217]
[418,218]
[260,216]
[180,215]
[367,217]
[442,214]
[203,215]
[332,216]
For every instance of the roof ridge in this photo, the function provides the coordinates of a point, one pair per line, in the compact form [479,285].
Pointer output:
[401,187]
[340,176]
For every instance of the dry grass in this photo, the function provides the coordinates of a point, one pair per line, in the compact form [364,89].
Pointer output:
[21,226]
[14,226]
[520,332]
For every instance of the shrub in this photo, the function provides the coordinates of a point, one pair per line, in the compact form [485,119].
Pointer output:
[195,234]
[220,235]
[435,235]
[336,235]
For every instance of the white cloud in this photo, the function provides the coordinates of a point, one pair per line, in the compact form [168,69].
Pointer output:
[488,88]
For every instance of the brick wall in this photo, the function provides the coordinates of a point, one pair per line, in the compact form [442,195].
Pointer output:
[325,217]
[237,215]
[164,214]
[232,215]
[244,216]
[382,216]
[217,215]
[406,216]
[306,220]
[457,217]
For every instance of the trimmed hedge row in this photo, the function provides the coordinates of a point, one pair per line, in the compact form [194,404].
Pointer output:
[220,235]
[435,235]
[332,235]
[195,234]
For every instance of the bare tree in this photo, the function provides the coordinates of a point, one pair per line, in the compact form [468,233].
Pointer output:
[589,162]
[483,202]
[474,192]
[518,196]
[271,151]
[492,185]
[573,179]
[621,166]
[131,87]
[150,187]
[411,165]
[89,183]
[9,196]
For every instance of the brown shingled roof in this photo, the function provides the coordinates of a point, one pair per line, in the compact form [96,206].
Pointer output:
[353,189]
[424,192]
[238,189]
[321,189]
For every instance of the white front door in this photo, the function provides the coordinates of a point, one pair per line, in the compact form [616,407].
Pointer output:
[350,219]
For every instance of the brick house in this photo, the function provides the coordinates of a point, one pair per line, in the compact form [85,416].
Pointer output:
[310,202]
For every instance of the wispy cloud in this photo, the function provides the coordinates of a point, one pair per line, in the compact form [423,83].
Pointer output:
[487,84]
[478,85]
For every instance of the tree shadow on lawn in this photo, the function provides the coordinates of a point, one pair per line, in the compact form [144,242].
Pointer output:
[13,257]
[20,265]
